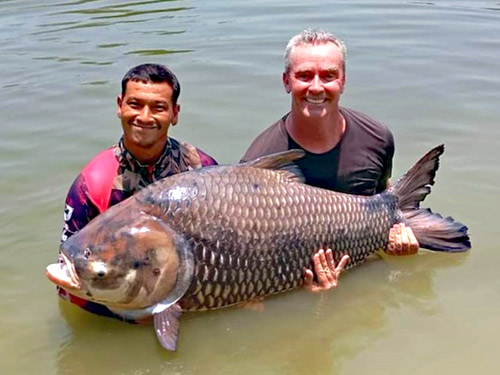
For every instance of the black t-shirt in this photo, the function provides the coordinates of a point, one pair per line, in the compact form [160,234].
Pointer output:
[361,163]
[318,169]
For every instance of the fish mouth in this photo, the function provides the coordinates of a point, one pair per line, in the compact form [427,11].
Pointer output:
[63,274]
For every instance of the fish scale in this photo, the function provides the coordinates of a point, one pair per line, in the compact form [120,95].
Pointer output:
[270,229]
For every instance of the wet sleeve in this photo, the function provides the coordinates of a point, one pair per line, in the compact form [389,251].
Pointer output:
[196,158]
[386,174]
[271,140]
[260,146]
[78,209]
[206,159]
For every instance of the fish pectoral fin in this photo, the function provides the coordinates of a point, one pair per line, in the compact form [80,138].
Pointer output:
[167,326]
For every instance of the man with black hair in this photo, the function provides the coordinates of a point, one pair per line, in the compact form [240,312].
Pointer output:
[147,107]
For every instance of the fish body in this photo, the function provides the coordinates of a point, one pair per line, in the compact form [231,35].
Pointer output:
[252,234]
[223,235]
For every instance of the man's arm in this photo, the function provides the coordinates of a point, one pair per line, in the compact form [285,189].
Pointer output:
[78,209]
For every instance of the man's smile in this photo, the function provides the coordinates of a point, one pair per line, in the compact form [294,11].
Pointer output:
[313,100]
[144,126]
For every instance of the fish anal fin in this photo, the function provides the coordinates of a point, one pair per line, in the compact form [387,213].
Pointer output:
[256,304]
[166,325]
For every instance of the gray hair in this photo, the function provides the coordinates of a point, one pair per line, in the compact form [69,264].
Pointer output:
[313,37]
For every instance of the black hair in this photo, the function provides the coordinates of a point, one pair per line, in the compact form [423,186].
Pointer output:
[153,73]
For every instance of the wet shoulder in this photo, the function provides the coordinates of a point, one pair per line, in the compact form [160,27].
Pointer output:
[366,152]
[361,122]
[99,176]
[192,156]
[273,139]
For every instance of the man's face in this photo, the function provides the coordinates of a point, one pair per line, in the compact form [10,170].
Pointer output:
[146,111]
[316,79]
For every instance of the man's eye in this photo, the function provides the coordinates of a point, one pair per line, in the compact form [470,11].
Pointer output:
[134,105]
[160,108]
[304,76]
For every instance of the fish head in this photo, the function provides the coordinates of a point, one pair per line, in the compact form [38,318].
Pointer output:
[121,259]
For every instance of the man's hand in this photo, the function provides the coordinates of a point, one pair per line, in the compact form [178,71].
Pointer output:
[402,241]
[326,272]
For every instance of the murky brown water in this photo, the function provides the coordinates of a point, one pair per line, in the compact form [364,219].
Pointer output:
[429,70]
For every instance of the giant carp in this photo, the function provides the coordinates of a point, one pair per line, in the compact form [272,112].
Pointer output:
[223,235]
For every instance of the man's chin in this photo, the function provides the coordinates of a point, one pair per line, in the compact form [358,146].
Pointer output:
[142,141]
[315,111]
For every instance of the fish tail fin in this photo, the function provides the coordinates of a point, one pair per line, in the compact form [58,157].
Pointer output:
[438,233]
[432,231]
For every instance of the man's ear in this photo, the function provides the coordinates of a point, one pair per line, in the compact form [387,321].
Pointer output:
[119,101]
[342,83]
[286,82]
[176,110]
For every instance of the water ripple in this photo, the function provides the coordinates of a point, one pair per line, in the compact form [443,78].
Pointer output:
[86,25]
[117,5]
[98,63]
[133,13]
[111,45]
[468,6]
[156,52]
[100,15]
[95,83]
[57,58]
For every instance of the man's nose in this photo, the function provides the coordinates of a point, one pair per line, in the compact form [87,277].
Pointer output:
[316,85]
[145,115]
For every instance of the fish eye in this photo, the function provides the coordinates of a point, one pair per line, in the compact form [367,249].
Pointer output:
[87,253]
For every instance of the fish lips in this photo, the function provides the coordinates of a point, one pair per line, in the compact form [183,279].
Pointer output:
[63,274]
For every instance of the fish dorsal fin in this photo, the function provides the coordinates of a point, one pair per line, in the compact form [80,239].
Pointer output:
[276,160]
[282,162]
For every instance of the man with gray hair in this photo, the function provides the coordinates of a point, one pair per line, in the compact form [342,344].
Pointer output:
[346,151]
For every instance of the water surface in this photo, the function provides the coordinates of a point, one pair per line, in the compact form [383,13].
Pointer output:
[427,69]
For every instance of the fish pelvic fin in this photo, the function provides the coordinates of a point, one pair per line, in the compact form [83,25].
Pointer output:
[432,231]
[281,161]
[166,324]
